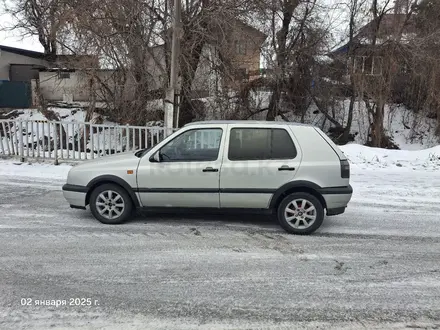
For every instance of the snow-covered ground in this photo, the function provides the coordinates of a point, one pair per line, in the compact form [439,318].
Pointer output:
[408,130]
[38,170]
[65,114]
[72,114]
[374,158]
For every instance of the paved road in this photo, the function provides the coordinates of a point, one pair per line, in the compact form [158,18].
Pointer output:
[376,266]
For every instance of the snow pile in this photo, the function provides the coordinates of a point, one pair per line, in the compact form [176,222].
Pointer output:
[70,115]
[408,130]
[10,168]
[428,159]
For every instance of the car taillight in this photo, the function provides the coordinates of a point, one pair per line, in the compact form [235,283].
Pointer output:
[345,169]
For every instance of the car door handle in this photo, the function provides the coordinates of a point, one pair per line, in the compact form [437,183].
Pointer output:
[210,169]
[286,168]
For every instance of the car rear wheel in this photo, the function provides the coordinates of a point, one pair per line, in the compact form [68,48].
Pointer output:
[300,213]
[111,204]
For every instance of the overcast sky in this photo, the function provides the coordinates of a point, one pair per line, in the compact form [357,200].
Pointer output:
[12,39]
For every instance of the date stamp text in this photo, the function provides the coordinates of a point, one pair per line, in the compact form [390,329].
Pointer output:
[59,302]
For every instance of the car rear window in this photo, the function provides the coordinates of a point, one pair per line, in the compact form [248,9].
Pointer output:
[260,144]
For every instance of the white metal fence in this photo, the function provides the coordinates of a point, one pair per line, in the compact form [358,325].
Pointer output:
[60,140]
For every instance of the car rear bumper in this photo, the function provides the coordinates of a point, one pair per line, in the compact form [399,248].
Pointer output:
[337,199]
[75,195]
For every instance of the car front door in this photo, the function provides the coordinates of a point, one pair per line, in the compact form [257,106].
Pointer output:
[256,162]
[185,171]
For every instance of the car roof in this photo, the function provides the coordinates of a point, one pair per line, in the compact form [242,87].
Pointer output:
[247,122]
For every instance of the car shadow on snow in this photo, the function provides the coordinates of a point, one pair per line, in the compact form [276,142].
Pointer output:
[192,218]
[203,218]
[247,221]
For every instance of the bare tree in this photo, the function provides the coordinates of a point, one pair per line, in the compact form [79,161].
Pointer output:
[288,40]
[205,22]
[377,89]
[423,76]
[355,8]
[42,18]
[125,35]
[133,38]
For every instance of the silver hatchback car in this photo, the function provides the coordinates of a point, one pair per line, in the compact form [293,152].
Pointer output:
[292,170]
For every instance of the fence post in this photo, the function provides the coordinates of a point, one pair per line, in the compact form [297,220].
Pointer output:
[1,141]
[127,135]
[92,142]
[6,136]
[20,136]
[55,142]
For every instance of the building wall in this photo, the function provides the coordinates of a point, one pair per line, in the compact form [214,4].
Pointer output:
[241,46]
[54,88]
[246,49]
[156,68]
[243,50]
[7,58]
[24,72]
[205,78]
[81,85]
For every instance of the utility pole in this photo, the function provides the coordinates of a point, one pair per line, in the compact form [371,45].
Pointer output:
[170,104]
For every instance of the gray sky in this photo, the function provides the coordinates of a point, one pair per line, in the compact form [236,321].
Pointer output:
[13,39]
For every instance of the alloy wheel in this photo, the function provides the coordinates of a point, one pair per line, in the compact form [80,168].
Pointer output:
[110,204]
[300,213]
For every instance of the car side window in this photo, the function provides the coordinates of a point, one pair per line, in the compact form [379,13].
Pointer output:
[193,145]
[282,146]
[260,144]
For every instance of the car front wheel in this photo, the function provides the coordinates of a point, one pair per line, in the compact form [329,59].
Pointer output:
[300,213]
[110,204]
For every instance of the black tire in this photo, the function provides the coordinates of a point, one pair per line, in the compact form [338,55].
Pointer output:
[287,226]
[127,210]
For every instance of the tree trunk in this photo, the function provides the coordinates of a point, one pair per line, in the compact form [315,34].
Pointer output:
[272,113]
[89,116]
[347,128]
[189,63]
[437,131]
[378,129]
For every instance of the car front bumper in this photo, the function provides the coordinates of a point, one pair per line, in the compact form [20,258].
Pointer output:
[75,195]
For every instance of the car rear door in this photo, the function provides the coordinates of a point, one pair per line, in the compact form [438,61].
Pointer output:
[257,161]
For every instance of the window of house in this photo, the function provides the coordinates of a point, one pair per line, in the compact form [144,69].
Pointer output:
[260,144]
[240,47]
[377,65]
[193,145]
[367,65]
[359,64]
[63,75]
